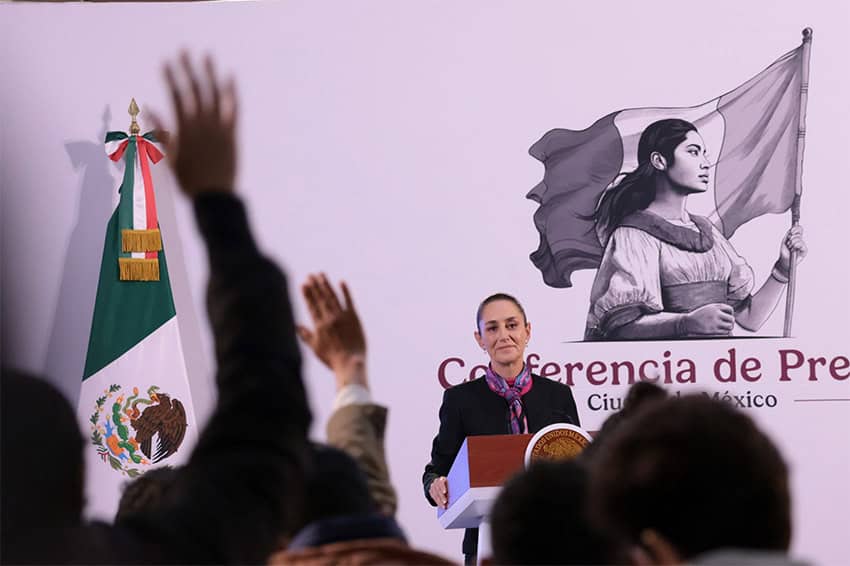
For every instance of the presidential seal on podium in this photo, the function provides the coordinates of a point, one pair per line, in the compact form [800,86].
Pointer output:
[558,441]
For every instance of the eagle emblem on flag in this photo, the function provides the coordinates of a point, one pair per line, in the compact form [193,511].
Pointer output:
[132,432]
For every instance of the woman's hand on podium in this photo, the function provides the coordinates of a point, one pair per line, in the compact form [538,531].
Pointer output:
[439,491]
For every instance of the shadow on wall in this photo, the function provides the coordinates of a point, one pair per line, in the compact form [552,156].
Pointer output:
[69,338]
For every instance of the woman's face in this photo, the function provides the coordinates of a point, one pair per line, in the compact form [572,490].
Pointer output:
[689,170]
[503,332]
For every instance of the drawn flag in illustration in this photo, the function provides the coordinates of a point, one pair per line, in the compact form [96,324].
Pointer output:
[135,406]
[751,133]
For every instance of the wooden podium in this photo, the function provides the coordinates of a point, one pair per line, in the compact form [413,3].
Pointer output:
[482,465]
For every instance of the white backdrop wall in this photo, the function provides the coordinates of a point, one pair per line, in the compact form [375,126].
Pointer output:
[386,143]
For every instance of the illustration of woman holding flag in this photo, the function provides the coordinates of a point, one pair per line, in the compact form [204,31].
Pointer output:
[666,273]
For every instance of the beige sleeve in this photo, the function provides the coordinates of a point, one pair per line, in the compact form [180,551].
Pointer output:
[358,430]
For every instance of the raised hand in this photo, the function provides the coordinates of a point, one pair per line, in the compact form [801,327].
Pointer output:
[337,338]
[202,151]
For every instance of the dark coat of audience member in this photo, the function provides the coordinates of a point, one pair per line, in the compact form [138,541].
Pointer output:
[241,487]
[146,491]
[341,523]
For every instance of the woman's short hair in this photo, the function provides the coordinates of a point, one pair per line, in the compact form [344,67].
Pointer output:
[498,297]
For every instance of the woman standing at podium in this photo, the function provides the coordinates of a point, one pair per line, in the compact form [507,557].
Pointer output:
[509,399]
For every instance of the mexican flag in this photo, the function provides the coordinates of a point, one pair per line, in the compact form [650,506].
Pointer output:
[753,135]
[135,405]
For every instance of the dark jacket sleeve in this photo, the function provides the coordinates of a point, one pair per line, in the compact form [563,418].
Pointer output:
[570,406]
[236,495]
[447,442]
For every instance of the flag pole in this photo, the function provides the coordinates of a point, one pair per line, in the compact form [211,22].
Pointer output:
[798,186]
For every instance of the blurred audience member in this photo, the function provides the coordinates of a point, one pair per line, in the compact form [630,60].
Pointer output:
[146,491]
[350,501]
[42,464]
[540,517]
[357,425]
[340,524]
[692,479]
[241,487]
[638,396]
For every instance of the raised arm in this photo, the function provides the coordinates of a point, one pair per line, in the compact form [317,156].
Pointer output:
[235,496]
[357,424]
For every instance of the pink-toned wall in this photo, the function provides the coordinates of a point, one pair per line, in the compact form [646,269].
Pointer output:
[386,143]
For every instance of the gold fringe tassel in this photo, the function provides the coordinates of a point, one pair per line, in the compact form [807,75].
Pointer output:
[141,241]
[138,269]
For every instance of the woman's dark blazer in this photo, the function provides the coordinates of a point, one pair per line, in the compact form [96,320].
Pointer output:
[472,409]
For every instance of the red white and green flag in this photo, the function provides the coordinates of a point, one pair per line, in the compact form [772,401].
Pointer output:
[753,133]
[135,404]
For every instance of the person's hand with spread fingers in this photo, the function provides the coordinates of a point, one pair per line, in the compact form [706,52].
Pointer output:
[337,336]
[203,152]
[357,424]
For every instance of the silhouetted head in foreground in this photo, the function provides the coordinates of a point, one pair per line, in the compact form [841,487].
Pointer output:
[540,518]
[638,397]
[690,475]
[42,459]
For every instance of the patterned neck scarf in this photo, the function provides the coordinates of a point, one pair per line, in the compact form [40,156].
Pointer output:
[512,395]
